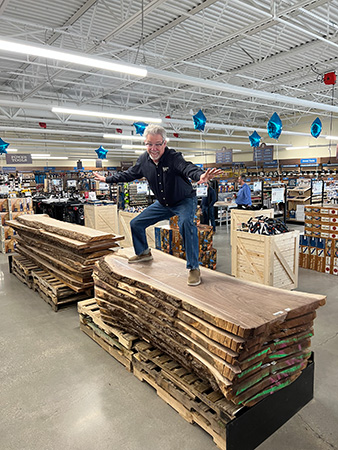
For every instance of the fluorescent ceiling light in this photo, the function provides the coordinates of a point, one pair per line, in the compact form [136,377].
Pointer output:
[11,150]
[133,147]
[80,112]
[123,137]
[91,159]
[49,157]
[236,150]
[47,52]
[138,152]
[189,156]
[37,155]
[298,148]
[332,138]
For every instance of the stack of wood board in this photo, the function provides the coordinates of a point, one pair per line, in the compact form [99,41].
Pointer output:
[246,339]
[66,250]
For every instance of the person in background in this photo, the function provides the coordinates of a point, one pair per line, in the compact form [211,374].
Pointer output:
[208,210]
[168,175]
[243,197]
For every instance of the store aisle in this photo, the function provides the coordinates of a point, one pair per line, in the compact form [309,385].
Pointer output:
[59,390]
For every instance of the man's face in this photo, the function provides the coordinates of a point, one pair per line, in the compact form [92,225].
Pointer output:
[155,146]
[240,181]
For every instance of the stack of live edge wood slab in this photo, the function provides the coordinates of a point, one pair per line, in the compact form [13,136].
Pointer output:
[246,339]
[65,250]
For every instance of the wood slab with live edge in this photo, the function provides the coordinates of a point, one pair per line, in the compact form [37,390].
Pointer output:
[245,339]
[244,307]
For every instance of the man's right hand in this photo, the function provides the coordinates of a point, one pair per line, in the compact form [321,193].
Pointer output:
[99,177]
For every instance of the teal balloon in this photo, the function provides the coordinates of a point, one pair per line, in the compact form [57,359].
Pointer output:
[140,127]
[255,139]
[101,152]
[199,120]
[275,126]
[316,127]
[3,147]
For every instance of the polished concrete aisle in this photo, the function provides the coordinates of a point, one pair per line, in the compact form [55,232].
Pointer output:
[60,391]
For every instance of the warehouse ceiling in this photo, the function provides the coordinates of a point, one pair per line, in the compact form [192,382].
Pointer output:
[238,61]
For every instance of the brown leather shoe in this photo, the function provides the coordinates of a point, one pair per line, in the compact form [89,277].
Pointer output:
[194,277]
[140,258]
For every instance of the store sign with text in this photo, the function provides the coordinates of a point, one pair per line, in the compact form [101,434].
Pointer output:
[19,158]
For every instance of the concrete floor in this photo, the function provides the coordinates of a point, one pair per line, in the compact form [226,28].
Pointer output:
[59,390]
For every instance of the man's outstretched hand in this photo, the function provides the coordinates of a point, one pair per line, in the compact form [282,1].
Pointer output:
[209,175]
[99,177]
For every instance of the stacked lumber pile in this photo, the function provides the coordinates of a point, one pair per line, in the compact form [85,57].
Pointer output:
[65,250]
[246,339]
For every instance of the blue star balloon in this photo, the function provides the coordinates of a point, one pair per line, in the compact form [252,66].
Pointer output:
[101,152]
[254,139]
[140,127]
[275,126]
[316,127]
[3,146]
[199,120]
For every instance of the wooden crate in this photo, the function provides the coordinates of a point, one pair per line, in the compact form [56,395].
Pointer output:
[102,217]
[124,228]
[270,260]
[239,216]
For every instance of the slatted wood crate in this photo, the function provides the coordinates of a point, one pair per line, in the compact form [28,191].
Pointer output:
[125,218]
[239,216]
[269,260]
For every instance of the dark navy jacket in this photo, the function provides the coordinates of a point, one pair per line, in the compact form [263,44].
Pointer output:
[168,179]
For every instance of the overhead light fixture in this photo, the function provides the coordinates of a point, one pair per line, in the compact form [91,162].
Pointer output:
[123,137]
[47,52]
[49,157]
[132,147]
[80,112]
[38,155]
[236,150]
[298,148]
[12,150]
[138,152]
[332,138]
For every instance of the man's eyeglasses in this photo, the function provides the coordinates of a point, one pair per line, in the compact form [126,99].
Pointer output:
[157,145]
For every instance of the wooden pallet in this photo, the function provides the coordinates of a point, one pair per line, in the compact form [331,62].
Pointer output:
[54,292]
[22,268]
[194,399]
[191,410]
[117,343]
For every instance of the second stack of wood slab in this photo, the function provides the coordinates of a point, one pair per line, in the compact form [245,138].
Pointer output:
[66,250]
[249,340]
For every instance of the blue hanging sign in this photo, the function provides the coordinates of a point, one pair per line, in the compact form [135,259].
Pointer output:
[9,169]
[199,165]
[49,169]
[308,161]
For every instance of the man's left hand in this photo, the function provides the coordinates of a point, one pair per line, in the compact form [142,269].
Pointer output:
[209,175]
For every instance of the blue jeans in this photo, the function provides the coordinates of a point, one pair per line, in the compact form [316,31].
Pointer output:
[185,210]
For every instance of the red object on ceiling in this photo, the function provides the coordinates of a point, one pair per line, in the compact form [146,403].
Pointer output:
[176,135]
[119,130]
[43,124]
[330,78]
[168,117]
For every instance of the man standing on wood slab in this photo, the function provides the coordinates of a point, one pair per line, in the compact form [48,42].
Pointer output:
[168,176]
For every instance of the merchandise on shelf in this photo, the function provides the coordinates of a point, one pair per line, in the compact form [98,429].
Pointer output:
[10,209]
[318,248]
[169,240]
